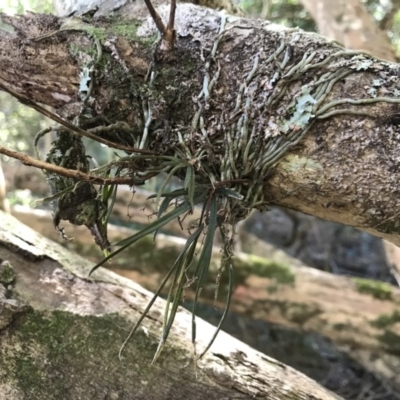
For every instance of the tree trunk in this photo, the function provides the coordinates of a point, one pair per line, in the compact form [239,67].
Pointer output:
[60,333]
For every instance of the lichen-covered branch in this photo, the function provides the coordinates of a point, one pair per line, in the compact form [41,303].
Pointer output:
[60,333]
[303,122]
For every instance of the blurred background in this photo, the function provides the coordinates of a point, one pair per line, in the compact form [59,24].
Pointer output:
[315,295]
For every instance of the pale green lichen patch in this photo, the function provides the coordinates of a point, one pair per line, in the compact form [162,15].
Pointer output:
[293,163]
[61,355]
[7,274]
[303,110]
[386,320]
[377,289]
[128,30]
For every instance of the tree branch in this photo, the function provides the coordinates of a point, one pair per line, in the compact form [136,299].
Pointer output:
[314,127]
[69,173]
[68,335]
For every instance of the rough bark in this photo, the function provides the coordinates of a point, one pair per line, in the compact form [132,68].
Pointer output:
[350,23]
[344,169]
[60,333]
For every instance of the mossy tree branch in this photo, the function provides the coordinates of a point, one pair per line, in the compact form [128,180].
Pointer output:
[321,122]
[56,325]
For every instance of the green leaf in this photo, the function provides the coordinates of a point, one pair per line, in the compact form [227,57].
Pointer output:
[163,207]
[56,195]
[226,309]
[230,193]
[173,194]
[111,192]
[226,259]
[192,240]
[177,287]
[166,181]
[190,184]
[157,224]
[204,260]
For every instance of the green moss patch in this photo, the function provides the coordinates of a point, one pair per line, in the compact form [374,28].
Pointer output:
[385,320]
[264,268]
[391,341]
[377,289]
[60,355]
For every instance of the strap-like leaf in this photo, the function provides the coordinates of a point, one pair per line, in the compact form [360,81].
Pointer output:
[190,184]
[204,260]
[230,193]
[112,192]
[192,240]
[166,181]
[173,194]
[157,224]
[227,305]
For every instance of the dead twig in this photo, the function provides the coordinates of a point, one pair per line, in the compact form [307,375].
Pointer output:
[168,32]
[69,173]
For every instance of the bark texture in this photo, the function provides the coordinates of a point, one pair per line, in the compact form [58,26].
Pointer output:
[60,333]
[350,23]
[341,152]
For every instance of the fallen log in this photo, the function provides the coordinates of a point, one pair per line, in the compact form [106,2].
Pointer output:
[60,333]
[360,316]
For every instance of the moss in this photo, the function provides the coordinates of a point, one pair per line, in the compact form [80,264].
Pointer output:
[98,32]
[391,341]
[385,320]
[7,274]
[300,313]
[377,289]
[62,355]
[128,29]
[339,327]
[264,268]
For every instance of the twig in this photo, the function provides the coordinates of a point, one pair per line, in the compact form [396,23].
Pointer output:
[30,103]
[69,173]
[167,33]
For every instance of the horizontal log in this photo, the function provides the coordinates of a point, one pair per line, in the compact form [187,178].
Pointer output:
[60,333]
[360,316]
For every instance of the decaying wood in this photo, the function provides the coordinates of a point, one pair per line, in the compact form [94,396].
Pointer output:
[361,317]
[60,333]
[344,169]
